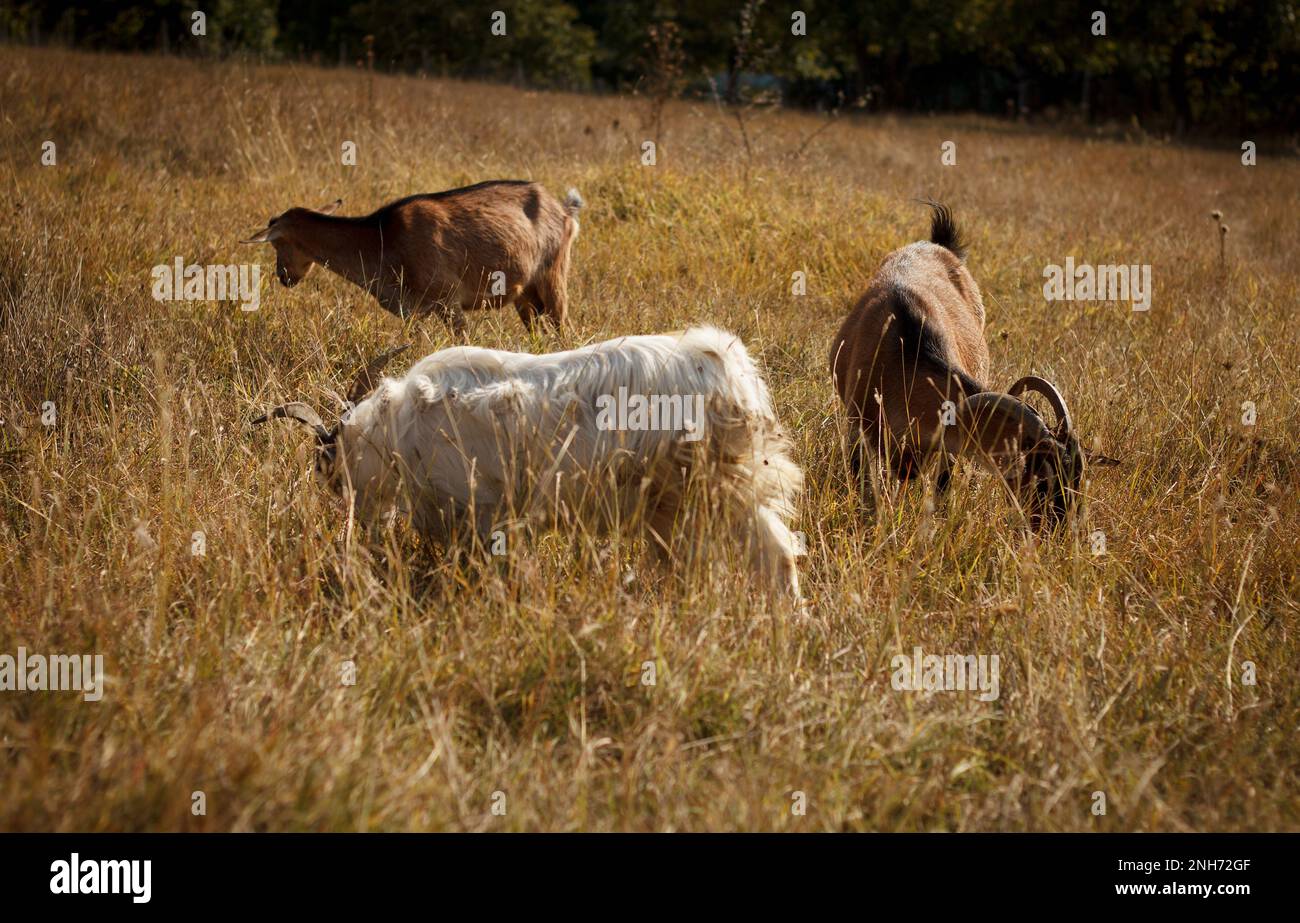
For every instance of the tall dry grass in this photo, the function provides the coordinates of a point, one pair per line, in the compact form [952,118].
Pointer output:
[1119,673]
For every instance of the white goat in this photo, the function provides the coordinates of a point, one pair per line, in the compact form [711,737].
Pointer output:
[475,437]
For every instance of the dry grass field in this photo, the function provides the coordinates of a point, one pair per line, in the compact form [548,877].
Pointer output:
[1122,673]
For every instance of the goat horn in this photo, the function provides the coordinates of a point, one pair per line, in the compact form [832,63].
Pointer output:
[1064,423]
[368,377]
[297,410]
[986,402]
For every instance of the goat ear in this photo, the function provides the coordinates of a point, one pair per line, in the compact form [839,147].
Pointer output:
[264,236]
[331,208]
[369,374]
[1101,461]
[988,422]
[1064,424]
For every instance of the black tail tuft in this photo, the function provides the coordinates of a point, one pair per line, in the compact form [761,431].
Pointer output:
[943,229]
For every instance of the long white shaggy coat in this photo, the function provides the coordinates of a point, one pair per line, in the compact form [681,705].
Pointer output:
[476,437]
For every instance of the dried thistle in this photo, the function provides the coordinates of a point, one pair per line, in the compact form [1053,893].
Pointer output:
[1223,241]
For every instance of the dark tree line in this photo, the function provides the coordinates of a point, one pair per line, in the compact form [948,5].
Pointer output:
[1195,65]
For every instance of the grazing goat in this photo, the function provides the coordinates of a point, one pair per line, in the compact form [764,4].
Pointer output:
[599,436]
[492,244]
[910,362]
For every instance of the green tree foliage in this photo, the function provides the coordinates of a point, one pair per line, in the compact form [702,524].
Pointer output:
[1219,65]
[543,41]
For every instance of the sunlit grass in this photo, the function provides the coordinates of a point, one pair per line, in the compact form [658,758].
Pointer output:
[522,675]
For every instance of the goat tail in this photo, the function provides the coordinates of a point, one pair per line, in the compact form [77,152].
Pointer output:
[944,230]
[743,425]
[778,480]
[774,482]
[753,452]
[574,202]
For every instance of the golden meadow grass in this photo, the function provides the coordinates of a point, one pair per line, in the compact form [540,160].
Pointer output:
[1120,673]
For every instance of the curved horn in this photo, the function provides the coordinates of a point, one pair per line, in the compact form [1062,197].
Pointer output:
[368,376]
[1064,423]
[1049,482]
[297,410]
[977,409]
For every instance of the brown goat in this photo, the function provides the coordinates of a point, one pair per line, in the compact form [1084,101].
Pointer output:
[488,245]
[909,364]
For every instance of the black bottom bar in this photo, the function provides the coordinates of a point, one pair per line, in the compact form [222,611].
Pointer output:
[537,871]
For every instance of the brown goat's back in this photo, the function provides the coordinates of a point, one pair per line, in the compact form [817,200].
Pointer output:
[488,245]
[921,313]
[915,338]
[452,245]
